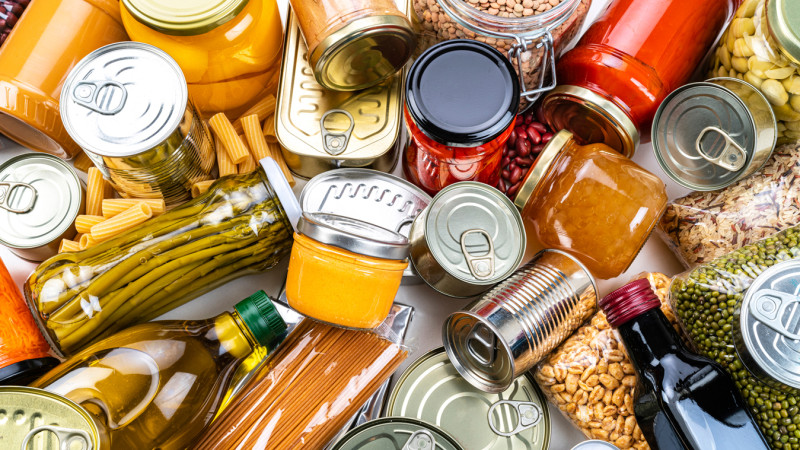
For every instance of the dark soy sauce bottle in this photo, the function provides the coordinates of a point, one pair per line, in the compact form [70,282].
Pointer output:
[683,400]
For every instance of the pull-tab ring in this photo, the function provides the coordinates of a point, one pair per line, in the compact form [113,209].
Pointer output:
[481,267]
[548,62]
[769,306]
[482,344]
[335,143]
[101,96]
[420,440]
[732,158]
[528,415]
[65,437]
[7,197]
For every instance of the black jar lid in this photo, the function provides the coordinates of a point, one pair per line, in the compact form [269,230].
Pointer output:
[462,93]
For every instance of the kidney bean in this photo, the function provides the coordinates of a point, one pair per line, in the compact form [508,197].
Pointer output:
[516,175]
[527,118]
[513,189]
[526,162]
[512,138]
[506,174]
[523,147]
[534,135]
[525,142]
[506,161]
[546,137]
[539,127]
[502,185]
[537,149]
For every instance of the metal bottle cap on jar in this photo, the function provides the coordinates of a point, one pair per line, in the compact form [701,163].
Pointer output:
[432,390]
[40,196]
[711,134]
[354,235]
[783,22]
[469,238]
[184,17]
[766,332]
[397,433]
[541,166]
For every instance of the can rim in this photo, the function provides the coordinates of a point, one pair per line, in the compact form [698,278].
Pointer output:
[396,419]
[202,22]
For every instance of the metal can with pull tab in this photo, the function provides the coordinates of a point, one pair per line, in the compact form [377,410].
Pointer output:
[397,433]
[432,390]
[711,134]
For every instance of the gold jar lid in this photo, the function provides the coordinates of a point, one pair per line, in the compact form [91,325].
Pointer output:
[783,22]
[591,117]
[184,17]
[363,53]
[541,166]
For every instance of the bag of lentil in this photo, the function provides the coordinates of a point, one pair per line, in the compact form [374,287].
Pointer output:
[746,304]
[705,225]
[591,380]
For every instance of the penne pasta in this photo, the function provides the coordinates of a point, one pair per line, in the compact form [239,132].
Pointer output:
[114,206]
[84,222]
[269,129]
[277,155]
[95,192]
[86,241]
[67,245]
[248,166]
[135,215]
[224,164]
[224,130]
[262,109]
[255,138]
[201,187]
[82,162]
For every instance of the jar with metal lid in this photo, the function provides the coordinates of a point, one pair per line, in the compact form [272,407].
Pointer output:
[344,271]
[635,53]
[461,105]
[229,50]
[532,35]
[591,202]
[128,107]
[762,46]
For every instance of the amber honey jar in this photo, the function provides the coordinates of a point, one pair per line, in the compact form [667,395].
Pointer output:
[590,202]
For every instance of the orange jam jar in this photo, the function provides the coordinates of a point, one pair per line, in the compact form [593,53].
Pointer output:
[344,271]
[590,202]
[229,50]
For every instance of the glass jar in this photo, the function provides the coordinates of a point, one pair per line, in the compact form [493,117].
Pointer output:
[229,50]
[461,104]
[344,271]
[761,46]
[626,63]
[590,202]
[531,41]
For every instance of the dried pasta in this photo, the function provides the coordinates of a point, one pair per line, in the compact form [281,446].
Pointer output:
[123,221]
[262,109]
[249,165]
[277,155]
[95,192]
[84,222]
[67,245]
[201,187]
[86,241]
[114,206]
[224,130]
[269,129]
[82,162]
[224,164]
[255,139]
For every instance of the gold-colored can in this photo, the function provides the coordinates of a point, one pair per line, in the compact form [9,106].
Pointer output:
[320,129]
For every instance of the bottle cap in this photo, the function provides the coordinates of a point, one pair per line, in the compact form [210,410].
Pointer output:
[629,302]
[261,317]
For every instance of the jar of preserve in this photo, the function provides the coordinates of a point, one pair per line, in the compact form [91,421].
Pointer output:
[590,202]
[762,47]
[626,63]
[229,50]
[461,104]
[531,33]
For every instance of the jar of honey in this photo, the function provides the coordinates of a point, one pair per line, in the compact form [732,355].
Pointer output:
[229,50]
[590,202]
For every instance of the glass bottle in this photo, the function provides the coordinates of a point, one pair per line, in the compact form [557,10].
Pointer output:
[683,400]
[156,385]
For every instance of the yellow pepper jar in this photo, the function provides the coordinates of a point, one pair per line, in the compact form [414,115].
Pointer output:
[344,271]
[229,50]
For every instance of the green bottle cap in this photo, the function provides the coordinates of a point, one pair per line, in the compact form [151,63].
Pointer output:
[263,320]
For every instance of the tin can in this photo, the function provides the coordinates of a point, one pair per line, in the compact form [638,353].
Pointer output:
[469,238]
[43,420]
[321,130]
[498,338]
[595,444]
[40,197]
[432,390]
[709,135]
[396,433]
[127,106]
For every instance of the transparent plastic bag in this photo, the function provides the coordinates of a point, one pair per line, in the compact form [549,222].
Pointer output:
[704,225]
[591,380]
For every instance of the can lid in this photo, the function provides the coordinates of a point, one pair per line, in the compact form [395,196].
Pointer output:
[283,190]
[474,232]
[354,235]
[363,53]
[184,17]
[262,318]
[783,22]
[592,118]
[705,136]
[397,433]
[124,99]
[541,166]
[768,336]
[462,93]
[595,444]
[26,371]
[40,196]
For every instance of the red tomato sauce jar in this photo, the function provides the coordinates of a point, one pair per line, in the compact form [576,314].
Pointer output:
[461,103]
[629,60]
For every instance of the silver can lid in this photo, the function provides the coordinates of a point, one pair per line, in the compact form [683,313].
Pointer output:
[595,444]
[705,137]
[123,99]
[40,196]
[354,235]
[475,233]
[397,433]
[768,334]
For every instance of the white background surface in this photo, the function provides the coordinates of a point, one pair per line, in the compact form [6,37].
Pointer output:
[431,308]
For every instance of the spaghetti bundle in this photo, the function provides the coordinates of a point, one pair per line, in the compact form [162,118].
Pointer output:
[307,391]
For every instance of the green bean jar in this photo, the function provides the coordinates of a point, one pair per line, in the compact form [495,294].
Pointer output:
[242,225]
[741,310]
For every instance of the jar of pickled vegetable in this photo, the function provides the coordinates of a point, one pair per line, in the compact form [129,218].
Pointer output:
[461,104]
[590,202]
[229,50]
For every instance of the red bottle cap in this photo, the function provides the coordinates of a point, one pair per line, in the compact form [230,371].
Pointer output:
[629,302]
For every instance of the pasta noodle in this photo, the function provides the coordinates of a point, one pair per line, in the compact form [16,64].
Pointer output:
[276,154]
[201,187]
[68,246]
[84,222]
[255,139]
[269,129]
[306,391]
[262,109]
[224,164]
[123,221]
[223,129]
[87,241]
[82,162]
[114,206]
[95,192]
[248,166]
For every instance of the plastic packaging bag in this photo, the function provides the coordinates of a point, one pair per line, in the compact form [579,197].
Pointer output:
[706,225]
[591,380]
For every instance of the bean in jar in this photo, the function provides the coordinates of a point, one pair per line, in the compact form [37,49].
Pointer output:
[526,141]
[10,12]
